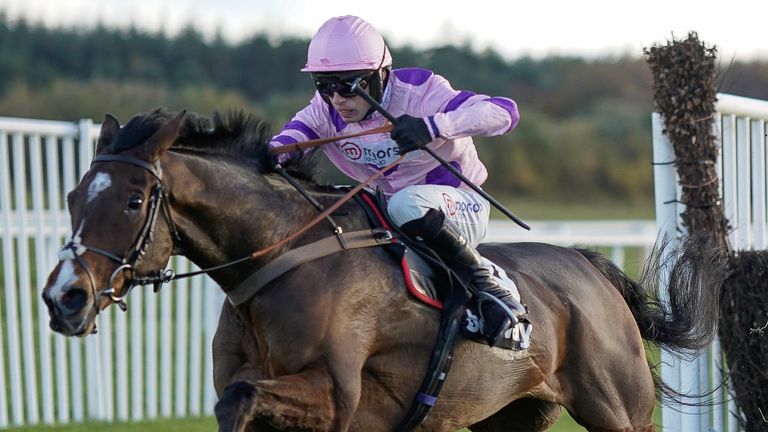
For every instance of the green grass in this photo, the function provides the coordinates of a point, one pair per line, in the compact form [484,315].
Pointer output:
[565,424]
[177,425]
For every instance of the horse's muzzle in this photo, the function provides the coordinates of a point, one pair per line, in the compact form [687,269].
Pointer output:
[74,300]
[66,316]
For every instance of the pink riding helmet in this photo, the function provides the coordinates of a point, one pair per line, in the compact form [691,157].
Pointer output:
[346,43]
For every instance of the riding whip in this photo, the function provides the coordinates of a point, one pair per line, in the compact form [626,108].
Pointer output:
[377,106]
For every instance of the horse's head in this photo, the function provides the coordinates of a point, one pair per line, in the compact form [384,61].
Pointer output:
[121,226]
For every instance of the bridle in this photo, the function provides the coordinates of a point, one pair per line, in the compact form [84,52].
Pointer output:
[158,202]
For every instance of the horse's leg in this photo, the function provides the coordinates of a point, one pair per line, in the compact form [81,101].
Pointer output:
[249,401]
[610,391]
[296,402]
[231,410]
[233,350]
[318,398]
[523,415]
[233,357]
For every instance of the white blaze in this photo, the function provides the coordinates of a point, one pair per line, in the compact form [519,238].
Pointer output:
[66,274]
[76,238]
[66,277]
[99,184]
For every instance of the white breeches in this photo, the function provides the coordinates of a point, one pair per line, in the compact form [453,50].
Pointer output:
[464,209]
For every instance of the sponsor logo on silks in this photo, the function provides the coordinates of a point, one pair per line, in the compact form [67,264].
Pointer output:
[379,154]
[351,151]
[460,206]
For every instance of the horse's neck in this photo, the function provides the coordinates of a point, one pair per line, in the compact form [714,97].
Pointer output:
[225,212]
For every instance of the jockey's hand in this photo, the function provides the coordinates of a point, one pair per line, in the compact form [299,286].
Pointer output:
[410,134]
[281,158]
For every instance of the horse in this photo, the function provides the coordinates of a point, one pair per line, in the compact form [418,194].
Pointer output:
[338,344]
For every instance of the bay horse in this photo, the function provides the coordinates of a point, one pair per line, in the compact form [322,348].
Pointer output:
[337,344]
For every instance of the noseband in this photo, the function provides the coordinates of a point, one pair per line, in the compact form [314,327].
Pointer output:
[73,249]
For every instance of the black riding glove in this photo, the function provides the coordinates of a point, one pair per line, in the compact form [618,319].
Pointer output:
[276,159]
[410,133]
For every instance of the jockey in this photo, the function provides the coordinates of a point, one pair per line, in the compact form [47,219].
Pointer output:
[424,198]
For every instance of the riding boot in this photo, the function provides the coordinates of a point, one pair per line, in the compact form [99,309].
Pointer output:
[498,309]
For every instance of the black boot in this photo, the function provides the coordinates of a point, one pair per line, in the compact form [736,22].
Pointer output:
[499,310]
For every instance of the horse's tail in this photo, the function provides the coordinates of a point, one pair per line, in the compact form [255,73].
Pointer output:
[685,321]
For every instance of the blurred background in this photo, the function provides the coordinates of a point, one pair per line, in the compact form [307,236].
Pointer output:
[582,150]
[576,70]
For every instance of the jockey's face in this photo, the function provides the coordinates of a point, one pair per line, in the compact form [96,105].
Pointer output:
[336,89]
[351,109]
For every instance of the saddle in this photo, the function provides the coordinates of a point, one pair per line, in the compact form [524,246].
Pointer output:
[429,280]
[426,276]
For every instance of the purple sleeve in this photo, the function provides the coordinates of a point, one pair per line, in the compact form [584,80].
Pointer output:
[312,122]
[454,114]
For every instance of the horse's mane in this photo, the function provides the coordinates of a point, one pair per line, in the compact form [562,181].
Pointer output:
[235,134]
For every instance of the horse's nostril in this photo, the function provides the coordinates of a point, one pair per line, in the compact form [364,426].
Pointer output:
[74,299]
[47,299]
[56,326]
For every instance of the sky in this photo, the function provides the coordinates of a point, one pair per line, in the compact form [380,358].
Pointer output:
[589,28]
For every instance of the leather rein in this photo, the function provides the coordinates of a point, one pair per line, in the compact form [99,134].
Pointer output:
[158,203]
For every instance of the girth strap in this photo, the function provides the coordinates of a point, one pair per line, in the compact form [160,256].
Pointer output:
[304,254]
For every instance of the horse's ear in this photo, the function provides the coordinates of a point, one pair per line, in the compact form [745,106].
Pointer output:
[164,138]
[109,130]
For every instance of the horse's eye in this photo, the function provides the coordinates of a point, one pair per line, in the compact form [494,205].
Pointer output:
[134,204]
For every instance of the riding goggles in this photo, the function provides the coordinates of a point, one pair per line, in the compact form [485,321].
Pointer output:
[328,84]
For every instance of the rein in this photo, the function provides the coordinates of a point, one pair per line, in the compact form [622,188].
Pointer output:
[328,210]
[256,254]
[303,145]
[73,249]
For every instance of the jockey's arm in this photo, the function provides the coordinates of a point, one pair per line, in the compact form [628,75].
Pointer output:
[307,124]
[459,114]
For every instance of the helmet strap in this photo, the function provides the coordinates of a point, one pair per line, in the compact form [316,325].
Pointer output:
[377,83]
[376,86]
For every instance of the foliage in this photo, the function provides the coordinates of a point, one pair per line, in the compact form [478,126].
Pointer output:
[743,323]
[684,90]
[584,133]
[64,99]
